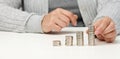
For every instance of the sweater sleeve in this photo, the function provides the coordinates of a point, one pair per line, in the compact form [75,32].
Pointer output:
[15,20]
[110,8]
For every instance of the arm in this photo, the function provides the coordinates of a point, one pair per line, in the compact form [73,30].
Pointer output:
[15,20]
[107,20]
[110,8]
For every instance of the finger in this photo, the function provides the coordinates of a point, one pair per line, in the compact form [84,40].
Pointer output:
[64,19]
[71,16]
[110,37]
[100,37]
[60,23]
[56,28]
[100,29]
[110,28]
[74,20]
[96,25]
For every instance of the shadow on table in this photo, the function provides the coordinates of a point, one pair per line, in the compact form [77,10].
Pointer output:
[62,33]
[98,42]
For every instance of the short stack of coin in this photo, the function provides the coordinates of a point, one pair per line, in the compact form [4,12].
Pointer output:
[91,36]
[79,38]
[56,43]
[69,41]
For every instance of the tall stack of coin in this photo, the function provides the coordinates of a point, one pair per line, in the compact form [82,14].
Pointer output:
[79,38]
[91,36]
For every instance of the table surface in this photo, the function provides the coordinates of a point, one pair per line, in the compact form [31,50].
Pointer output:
[40,46]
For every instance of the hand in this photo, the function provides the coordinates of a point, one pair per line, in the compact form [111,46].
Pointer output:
[105,29]
[58,19]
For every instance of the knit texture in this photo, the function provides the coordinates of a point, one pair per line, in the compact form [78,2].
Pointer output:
[13,19]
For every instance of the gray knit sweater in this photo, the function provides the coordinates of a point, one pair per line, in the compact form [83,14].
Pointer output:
[15,20]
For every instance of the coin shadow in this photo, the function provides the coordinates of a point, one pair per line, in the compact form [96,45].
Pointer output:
[61,33]
[98,42]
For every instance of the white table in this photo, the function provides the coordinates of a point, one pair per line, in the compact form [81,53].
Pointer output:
[39,46]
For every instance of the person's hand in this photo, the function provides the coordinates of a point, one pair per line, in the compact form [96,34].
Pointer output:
[58,19]
[105,29]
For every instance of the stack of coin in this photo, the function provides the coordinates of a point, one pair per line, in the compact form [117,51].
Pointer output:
[79,38]
[69,41]
[56,43]
[91,36]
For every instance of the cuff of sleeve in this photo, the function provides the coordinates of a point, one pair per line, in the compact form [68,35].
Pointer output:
[34,24]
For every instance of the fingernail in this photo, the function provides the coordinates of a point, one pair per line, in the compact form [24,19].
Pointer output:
[75,24]
[97,32]
[75,15]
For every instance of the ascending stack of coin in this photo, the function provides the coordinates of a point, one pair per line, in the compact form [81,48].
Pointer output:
[56,43]
[69,41]
[79,38]
[91,36]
